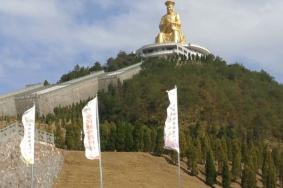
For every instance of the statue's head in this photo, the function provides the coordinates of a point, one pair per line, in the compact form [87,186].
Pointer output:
[170,6]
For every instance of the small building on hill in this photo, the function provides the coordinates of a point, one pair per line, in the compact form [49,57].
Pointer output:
[170,49]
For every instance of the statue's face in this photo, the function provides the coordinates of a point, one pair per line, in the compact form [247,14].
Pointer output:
[170,9]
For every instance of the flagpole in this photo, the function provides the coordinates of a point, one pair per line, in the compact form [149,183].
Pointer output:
[98,133]
[32,167]
[32,176]
[179,169]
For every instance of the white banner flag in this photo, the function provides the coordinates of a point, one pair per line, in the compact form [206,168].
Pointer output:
[90,126]
[171,130]
[27,144]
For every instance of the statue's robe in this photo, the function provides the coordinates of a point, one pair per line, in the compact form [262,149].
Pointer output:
[170,30]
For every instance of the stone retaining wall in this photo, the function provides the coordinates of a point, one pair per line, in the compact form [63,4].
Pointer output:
[14,173]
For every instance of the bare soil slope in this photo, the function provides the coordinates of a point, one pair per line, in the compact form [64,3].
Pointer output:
[125,170]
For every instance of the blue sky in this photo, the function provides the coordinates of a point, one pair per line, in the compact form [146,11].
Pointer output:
[42,39]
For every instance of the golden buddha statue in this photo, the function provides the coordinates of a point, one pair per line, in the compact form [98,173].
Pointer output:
[170,26]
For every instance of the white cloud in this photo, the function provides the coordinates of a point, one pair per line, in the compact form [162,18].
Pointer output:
[238,30]
[29,8]
[54,33]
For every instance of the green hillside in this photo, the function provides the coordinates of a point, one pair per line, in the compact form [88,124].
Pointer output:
[210,92]
[228,116]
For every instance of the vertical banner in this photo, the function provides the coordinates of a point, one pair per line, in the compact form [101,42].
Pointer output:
[90,127]
[27,143]
[171,130]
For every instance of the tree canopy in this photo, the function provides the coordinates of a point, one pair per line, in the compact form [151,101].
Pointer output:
[122,60]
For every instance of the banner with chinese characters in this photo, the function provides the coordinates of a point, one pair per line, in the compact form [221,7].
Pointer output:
[171,130]
[27,143]
[90,128]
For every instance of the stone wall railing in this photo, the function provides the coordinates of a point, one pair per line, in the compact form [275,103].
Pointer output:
[16,129]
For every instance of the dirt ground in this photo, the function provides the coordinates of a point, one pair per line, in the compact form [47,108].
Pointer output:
[122,170]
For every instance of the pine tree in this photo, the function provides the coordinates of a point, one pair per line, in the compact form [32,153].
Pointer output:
[58,134]
[253,157]
[46,83]
[204,144]
[236,160]
[244,151]
[229,149]
[129,141]
[221,155]
[281,170]
[192,160]
[264,168]
[210,169]
[112,137]
[198,150]
[104,136]
[183,144]
[248,177]
[226,178]
[120,139]
[276,157]
[146,139]
[269,176]
[244,179]
[70,138]
[138,138]
[153,136]
[159,142]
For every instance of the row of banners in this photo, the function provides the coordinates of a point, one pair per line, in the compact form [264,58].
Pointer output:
[91,129]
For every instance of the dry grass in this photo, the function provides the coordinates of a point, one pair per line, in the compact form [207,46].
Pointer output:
[129,170]
[125,170]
